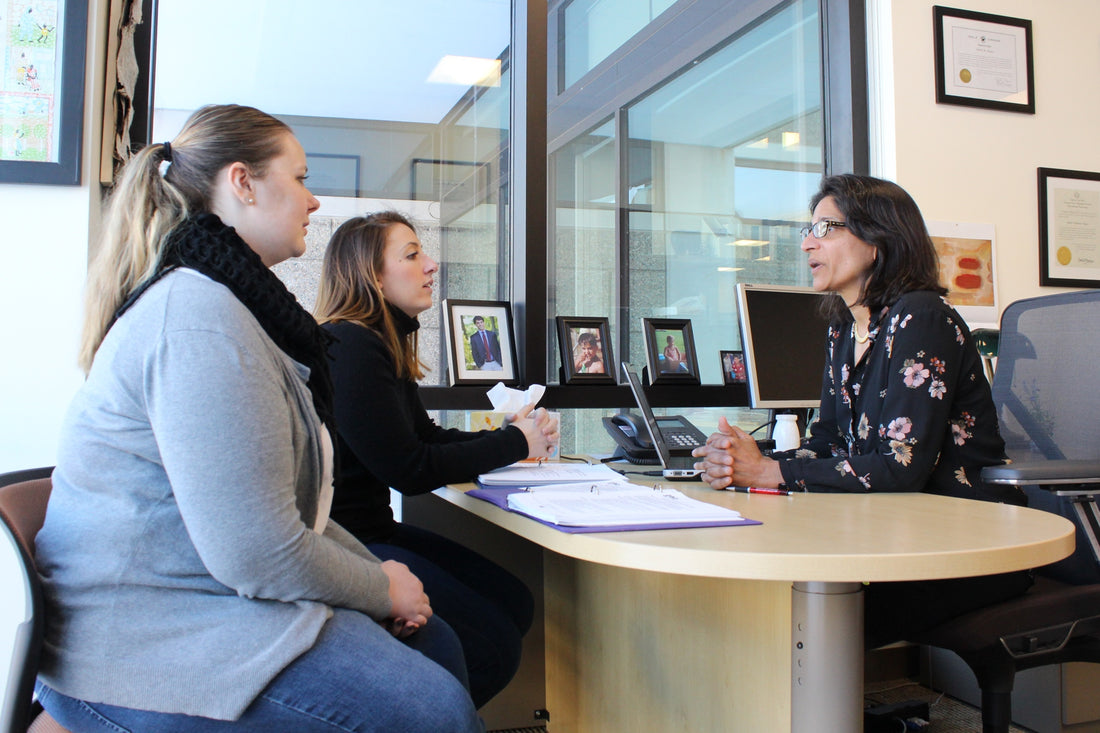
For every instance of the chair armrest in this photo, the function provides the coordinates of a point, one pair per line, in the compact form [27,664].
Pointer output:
[1083,475]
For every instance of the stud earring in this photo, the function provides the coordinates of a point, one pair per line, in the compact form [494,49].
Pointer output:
[251,201]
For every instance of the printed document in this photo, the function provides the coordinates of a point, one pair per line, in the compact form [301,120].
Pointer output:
[614,503]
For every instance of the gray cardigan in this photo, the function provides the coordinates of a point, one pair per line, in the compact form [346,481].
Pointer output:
[181,571]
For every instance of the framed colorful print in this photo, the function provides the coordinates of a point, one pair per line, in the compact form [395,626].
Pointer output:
[480,341]
[983,60]
[42,91]
[965,254]
[670,351]
[733,367]
[585,345]
[1069,228]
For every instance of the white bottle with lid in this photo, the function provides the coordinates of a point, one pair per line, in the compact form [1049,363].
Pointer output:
[785,432]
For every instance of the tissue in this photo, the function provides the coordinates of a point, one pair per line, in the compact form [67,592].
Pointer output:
[506,399]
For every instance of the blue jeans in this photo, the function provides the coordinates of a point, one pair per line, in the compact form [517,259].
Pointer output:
[355,678]
[489,608]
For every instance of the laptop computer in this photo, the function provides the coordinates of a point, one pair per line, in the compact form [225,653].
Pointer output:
[673,437]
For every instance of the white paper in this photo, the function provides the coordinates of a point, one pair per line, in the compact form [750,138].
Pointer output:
[538,474]
[614,504]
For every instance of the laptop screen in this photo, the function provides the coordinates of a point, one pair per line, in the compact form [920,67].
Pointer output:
[647,414]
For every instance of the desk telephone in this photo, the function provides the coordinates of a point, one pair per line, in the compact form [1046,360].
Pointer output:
[629,432]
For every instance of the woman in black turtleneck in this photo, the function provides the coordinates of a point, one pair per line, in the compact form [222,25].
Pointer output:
[375,281]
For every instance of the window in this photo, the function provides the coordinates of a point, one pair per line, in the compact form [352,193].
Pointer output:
[707,139]
[594,29]
[398,105]
[682,161]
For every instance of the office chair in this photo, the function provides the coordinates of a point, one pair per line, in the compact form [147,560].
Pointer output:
[23,497]
[1048,410]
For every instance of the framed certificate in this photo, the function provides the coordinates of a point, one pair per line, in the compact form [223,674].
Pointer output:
[983,60]
[1069,228]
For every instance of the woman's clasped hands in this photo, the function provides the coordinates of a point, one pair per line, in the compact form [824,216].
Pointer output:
[732,458]
[540,429]
[409,608]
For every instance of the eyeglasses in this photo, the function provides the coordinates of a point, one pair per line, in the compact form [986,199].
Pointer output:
[821,228]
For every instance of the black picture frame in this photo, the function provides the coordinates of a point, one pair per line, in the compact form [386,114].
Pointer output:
[982,49]
[731,374]
[658,331]
[460,324]
[1061,200]
[61,106]
[331,174]
[572,331]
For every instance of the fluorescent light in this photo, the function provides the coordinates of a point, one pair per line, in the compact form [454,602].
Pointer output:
[749,242]
[791,139]
[730,269]
[761,143]
[467,71]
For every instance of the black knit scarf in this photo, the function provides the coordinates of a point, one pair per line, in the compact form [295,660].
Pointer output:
[205,244]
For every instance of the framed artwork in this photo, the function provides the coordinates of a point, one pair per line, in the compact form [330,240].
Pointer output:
[42,92]
[585,345]
[733,367]
[480,341]
[333,175]
[670,351]
[1069,228]
[983,60]
[965,255]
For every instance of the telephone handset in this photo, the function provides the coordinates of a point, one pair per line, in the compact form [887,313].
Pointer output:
[630,433]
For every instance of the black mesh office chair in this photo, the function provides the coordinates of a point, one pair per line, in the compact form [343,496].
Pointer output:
[1048,406]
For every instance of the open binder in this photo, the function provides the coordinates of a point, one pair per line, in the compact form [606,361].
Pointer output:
[609,506]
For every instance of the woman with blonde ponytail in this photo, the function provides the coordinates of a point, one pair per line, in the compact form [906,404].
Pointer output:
[194,578]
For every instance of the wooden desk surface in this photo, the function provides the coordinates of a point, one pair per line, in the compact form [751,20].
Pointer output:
[818,537]
[691,629]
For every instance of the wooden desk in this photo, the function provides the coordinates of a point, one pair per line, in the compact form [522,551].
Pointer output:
[755,628]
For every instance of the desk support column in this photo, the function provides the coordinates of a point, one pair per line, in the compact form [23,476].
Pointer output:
[826,657]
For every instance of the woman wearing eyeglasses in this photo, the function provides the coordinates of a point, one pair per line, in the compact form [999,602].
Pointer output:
[905,405]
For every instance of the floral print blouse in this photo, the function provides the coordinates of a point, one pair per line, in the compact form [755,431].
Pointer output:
[915,414]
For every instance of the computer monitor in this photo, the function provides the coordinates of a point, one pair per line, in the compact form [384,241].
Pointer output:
[783,336]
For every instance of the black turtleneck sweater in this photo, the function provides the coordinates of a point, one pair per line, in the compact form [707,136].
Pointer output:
[386,438]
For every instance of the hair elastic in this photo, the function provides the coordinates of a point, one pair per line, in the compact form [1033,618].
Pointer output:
[167,151]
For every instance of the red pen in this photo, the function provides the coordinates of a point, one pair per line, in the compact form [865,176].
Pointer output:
[758,490]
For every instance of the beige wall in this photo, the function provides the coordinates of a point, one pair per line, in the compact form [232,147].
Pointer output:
[977,165]
[45,241]
[960,164]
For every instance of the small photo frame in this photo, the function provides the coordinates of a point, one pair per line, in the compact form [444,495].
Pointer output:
[733,367]
[670,351]
[983,60]
[585,345]
[480,341]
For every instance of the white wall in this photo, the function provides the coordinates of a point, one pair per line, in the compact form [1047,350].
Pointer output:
[45,242]
[977,165]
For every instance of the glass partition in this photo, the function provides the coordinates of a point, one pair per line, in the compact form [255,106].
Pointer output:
[594,29]
[723,160]
[398,106]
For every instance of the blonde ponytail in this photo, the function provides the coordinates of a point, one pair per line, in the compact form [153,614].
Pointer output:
[146,206]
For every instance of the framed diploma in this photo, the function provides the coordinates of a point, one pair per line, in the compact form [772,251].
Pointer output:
[1069,228]
[983,60]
